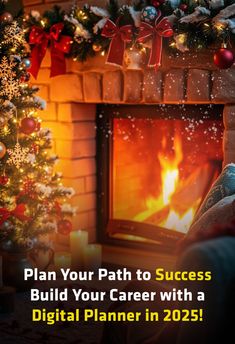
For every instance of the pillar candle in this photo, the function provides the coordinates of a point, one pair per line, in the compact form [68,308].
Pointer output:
[1,282]
[93,257]
[62,260]
[78,242]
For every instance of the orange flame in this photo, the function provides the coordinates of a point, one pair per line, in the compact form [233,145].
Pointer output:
[160,208]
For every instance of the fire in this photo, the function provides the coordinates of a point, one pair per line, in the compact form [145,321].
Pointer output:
[162,210]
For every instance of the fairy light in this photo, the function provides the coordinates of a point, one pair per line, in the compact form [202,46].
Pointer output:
[219,26]
[102,53]
[82,15]
[43,22]
[182,38]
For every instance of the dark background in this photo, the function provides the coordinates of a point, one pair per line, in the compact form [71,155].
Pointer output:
[14,6]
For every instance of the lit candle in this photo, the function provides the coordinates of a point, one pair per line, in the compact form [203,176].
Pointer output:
[1,282]
[78,242]
[93,257]
[62,260]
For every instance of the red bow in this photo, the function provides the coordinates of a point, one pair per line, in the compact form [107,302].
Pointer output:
[60,45]
[162,28]
[120,36]
[18,212]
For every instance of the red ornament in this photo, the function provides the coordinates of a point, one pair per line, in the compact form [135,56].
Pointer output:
[28,125]
[64,227]
[4,180]
[183,7]
[224,58]
[156,3]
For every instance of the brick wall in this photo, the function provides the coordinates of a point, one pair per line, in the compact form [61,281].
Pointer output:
[73,127]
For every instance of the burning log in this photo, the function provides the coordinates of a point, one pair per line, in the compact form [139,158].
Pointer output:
[159,216]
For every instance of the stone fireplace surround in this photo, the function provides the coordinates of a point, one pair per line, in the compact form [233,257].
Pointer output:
[71,115]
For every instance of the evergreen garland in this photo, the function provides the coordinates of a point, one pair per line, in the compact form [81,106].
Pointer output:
[194,35]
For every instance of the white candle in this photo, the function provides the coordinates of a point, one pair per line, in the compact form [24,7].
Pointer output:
[1,282]
[78,242]
[62,260]
[93,257]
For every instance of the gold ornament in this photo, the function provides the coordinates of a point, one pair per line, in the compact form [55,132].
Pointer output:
[96,47]
[2,150]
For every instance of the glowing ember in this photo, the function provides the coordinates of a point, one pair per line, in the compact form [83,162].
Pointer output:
[161,210]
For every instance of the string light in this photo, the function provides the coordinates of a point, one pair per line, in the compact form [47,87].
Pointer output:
[181,38]
[43,22]
[219,26]
[5,129]
[82,15]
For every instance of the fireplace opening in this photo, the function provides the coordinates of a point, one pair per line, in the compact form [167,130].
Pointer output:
[155,166]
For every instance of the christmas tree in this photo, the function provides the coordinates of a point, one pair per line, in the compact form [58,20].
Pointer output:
[30,191]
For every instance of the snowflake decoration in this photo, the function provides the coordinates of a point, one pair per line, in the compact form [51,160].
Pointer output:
[10,88]
[7,68]
[14,35]
[18,155]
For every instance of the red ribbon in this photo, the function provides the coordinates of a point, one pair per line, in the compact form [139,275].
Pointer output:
[162,28]
[59,44]
[120,35]
[18,212]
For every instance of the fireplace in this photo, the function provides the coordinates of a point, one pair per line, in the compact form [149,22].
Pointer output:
[156,164]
